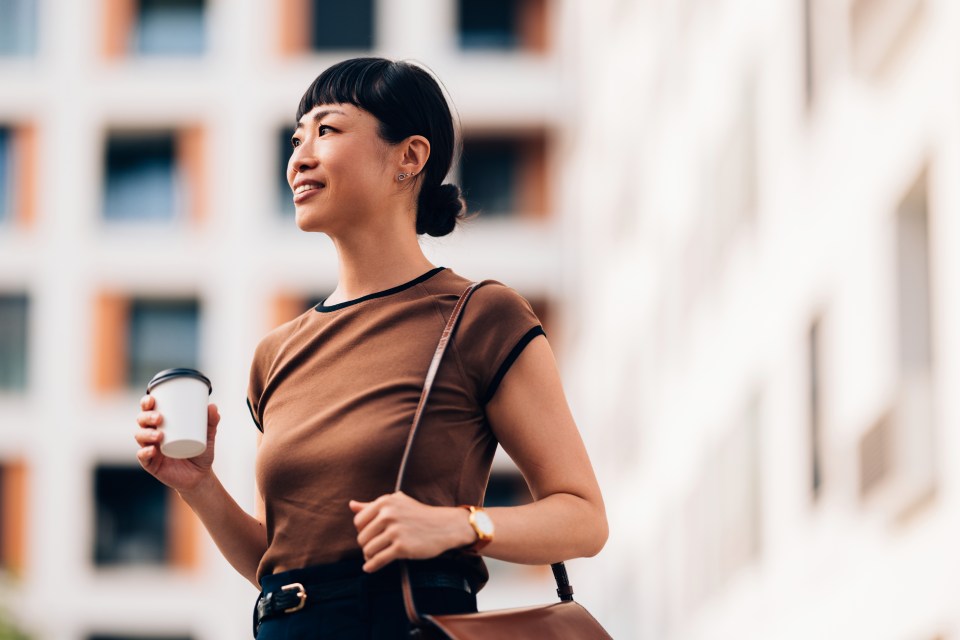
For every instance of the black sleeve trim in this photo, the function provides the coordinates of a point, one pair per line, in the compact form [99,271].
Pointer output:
[254,416]
[510,359]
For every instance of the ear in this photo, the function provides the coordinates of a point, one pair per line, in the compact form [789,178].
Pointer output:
[415,151]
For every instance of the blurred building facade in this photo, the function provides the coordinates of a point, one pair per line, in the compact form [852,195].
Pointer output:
[765,341]
[145,223]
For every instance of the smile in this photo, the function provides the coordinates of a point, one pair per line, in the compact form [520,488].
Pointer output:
[305,191]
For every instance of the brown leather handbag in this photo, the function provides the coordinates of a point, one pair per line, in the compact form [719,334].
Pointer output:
[559,621]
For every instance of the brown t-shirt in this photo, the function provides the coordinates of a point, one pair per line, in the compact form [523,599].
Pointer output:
[334,392]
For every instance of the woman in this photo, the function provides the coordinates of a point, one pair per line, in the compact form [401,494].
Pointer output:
[333,393]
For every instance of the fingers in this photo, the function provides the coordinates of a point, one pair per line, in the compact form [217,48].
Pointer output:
[213,415]
[148,457]
[367,511]
[150,419]
[147,402]
[383,558]
[147,437]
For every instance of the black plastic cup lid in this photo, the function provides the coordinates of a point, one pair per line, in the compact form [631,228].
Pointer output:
[169,374]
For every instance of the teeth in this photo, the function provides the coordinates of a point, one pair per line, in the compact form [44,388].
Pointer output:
[306,187]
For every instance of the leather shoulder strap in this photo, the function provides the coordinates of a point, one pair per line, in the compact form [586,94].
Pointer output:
[431,374]
[564,590]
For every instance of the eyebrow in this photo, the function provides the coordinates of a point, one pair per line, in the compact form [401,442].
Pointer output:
[318,116]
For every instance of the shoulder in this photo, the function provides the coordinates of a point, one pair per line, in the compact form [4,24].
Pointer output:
[273,341]
[494,297]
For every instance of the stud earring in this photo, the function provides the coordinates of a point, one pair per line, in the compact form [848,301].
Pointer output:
[403,176]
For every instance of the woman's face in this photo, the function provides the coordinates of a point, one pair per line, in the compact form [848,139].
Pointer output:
[338,168]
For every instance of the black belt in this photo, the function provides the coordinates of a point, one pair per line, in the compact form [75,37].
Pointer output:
[293,597]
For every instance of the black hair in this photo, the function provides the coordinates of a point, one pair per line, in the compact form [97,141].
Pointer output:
[407,101]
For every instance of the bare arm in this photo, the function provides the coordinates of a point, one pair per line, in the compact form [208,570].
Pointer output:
[241,538]
[532,420]
[530,415]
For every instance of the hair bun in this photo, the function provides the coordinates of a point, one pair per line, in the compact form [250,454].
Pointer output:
[439,209]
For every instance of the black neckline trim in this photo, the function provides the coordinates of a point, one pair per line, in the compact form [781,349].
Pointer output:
[323,308]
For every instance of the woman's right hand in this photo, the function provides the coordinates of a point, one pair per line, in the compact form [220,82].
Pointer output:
[179,474]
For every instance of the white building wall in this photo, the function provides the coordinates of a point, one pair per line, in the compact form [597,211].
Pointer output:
[693,304]
[235,261]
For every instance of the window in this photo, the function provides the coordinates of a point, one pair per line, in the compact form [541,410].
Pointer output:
[898,455]
[503,24]
[18,27]
[13,516]
[154,28]
[506,489]
[284,149]
[141,179]
[131,509]
[874,455]
[325,25]
[14,319]
[725,501]
[342,25]
[139,521]
[809,53]
[164,334]
[814,397]
[153,176]
[17,173]
[505,175]
[6,173]
[136,338]
[878,30]
[170,27]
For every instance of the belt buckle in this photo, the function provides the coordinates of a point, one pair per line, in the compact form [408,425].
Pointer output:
[301,593]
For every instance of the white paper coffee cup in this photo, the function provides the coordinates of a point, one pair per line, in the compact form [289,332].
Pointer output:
[181,397]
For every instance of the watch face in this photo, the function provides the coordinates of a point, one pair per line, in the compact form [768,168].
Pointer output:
[484,523]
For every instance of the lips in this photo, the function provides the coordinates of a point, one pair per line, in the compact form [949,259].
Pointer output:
[304,189]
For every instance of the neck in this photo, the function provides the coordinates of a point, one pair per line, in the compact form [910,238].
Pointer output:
[373,262]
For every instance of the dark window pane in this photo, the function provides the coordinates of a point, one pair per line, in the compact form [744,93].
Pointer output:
[131,517]
[488,24]
[170,27]
[284,195]
[6,171]
[140,177]
[342,25]
[506,489]
[488,173]
[13,342]
[164,334]
[18,27]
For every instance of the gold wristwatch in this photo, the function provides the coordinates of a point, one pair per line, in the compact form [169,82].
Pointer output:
[482,526]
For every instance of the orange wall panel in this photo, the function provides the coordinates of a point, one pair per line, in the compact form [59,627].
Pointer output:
[190,158]
[286,306]
[25,162]
[532,196]
[294,19]
[184,551]
[533,21]
[14,516]
[110,326]
[118,23]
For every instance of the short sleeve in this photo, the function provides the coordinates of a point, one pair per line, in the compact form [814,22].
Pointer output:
[257,383]
[497,324]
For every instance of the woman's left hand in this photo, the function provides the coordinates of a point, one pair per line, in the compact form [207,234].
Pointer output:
[396,526]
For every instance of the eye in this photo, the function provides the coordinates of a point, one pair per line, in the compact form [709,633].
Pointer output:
[294,142]
[322,128]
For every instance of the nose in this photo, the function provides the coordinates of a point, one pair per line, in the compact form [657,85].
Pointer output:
[300,160]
